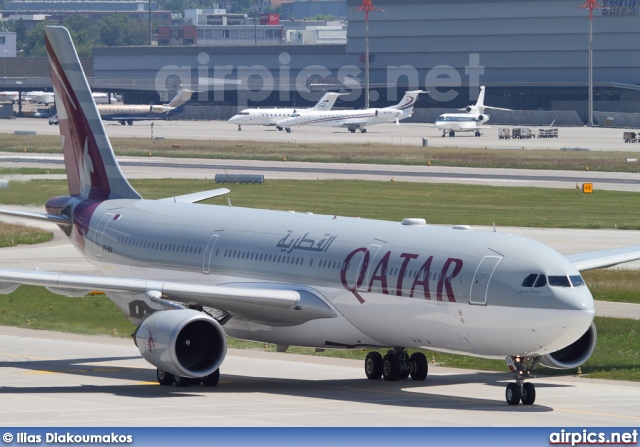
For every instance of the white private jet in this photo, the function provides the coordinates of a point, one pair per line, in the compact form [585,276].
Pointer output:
[470,121]
[354,119]
[190,274]
[270,117]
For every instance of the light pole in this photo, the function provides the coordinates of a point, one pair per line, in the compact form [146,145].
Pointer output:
[367,7]
[590,5]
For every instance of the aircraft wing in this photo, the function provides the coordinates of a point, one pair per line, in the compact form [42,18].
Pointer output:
[272,304]
[53,218]
[604,258]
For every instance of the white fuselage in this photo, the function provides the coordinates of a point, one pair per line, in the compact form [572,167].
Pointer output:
[416,286]
[261,117]
[461,122]
[342,118]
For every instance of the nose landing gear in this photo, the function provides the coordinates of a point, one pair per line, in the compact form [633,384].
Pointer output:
[521,390]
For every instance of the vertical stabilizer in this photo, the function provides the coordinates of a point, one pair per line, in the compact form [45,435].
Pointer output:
[327,101]
[480,102]
[92,170]
[182,97]
[407,103]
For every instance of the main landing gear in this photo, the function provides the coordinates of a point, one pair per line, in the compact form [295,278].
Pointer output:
[522,391]
[451,133]
[165,378]
[395,365]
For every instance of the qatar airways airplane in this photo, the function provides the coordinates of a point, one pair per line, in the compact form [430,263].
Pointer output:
[190,274]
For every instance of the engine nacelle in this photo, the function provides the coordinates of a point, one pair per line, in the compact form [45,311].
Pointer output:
[184,342]
[575,354]
[481,118]
[468,109]
[393,113]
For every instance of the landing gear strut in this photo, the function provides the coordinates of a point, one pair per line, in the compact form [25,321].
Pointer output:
[521,390]
[239,128]
[395,365]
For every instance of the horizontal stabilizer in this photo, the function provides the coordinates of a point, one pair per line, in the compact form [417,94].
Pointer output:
[199,196]
[268,305]
[604,258]
[52,218]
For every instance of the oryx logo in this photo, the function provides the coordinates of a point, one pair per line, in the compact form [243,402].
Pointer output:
[151,344]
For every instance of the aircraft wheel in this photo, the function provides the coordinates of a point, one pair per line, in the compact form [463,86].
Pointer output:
[528,394]
[239,128]
[363,130]
[477,134]
[288,129]
[164,378]
[419,366]
[212,379]
[122,123]
[373,366]
[130,123]
[391,368]
[352,130]
[181,382]
[513,394]
[278,127]
[452,133]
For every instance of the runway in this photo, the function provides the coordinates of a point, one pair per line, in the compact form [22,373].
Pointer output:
[52,379]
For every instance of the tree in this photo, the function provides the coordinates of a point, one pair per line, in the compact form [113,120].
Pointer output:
[119,30]
[81,30]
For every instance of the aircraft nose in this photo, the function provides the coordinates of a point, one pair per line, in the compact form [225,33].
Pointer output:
[233,119]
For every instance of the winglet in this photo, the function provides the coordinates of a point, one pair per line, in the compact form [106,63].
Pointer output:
[92,170]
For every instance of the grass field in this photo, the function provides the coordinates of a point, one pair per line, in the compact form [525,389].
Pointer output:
[336,153]
[437,203]
[12,235]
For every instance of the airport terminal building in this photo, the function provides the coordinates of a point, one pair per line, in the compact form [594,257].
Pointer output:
[531,55]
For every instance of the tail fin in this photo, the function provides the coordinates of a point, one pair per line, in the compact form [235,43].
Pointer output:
[92,170]
[327,101]
[407,103]
[182,97]
[479,106]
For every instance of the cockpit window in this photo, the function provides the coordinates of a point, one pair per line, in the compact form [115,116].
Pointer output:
[541,281]
[534,280]
[559,281]
[576,280]
[529,280]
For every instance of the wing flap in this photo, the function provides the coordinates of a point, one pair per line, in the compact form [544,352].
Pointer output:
[604,258]
[267,305]
[198,196]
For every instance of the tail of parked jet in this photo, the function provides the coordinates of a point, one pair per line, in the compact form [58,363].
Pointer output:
[182,97]
[407,103]
[92,170]
[478,108]
[327,101]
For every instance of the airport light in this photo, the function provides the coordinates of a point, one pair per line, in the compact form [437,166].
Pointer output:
[367,7]
[590,5]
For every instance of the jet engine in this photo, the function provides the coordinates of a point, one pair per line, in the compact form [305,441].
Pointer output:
[481,118]
[575,354]
[184,342]
[386,112]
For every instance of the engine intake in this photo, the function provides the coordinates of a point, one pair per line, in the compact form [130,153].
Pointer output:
[183,342]
[575,354]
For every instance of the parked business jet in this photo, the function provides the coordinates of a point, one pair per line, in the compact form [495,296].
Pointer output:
[353,119]
[190,274]
[470,121]
[270,117]
[128,113]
